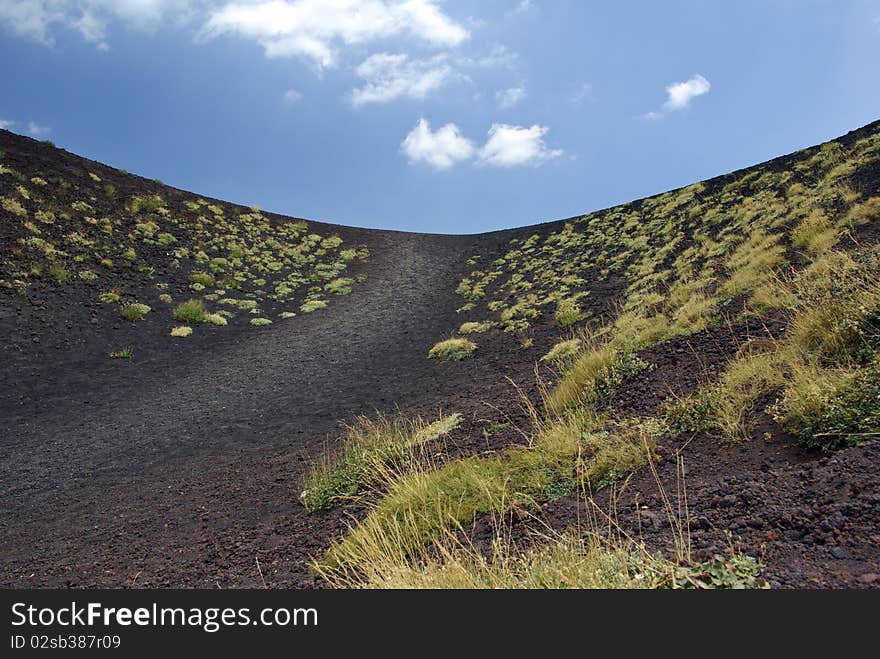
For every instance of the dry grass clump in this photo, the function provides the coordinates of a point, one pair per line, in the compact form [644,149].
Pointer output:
[182,331]
[371,448]
[563,352]
[475,328]
[192,312]
[452,350]
[134,312]
[578,450]
[825,369]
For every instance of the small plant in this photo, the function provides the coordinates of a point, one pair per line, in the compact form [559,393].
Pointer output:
[191,312]
[830,410]
[568,312]
[122,353]
[134,312]
[181,331]
[690,413]
[260,322]
[736,572]
[452,350]
[13,206]
[563,351]
[312,305]
[370,449]
[202,278]
[111,297]
[475,328]
[58,273]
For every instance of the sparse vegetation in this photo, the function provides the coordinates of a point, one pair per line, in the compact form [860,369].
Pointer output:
[271,264]
[371,448]
[475,328]
[191,312]
[181,331]
[134,312]
[563,352]
[452,350]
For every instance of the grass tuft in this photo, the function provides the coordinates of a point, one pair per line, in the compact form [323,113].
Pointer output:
[192,312]
[134,312]
[370,448]
[452,350]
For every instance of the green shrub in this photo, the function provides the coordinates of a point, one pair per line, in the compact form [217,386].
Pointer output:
[568,312]
[203,278]
[13,206]
[312,305]
[260,322]
[134,312]
[690,413]
[58,273]
[191,312]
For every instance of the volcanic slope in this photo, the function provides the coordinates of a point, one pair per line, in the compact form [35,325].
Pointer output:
[213,459]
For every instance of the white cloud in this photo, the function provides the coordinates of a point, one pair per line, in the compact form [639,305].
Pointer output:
[6,124]
[511,146]
[508,98]
[292,96]
[315,28]
[32,18]
[37,19]
[523,6]
[498,57]
[680,94]
[92,30]
[36,130]
[390,76]
[440,149]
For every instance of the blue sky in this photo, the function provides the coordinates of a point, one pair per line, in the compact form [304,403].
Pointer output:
[431,115]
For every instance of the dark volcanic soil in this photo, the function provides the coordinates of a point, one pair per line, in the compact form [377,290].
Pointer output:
[179,468]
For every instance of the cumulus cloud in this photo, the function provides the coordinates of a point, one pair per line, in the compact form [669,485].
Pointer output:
[511,146]
[508,98]
[292,96]
[36,130]
[440,149]
[316,28]
[388,77]
[6,124]
[680,94]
